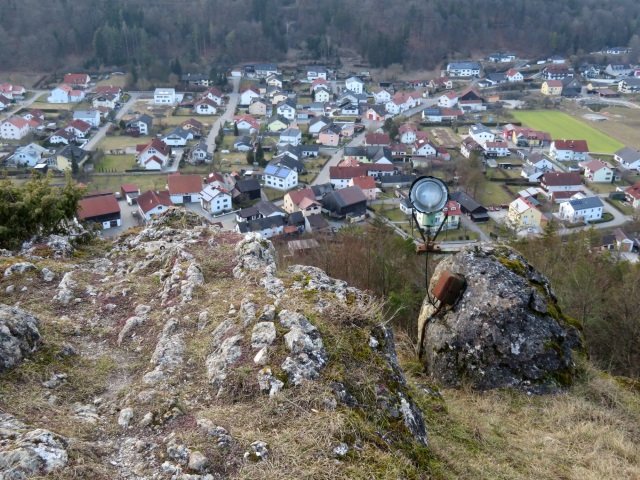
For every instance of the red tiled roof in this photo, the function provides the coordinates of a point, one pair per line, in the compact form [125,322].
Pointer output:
[97,206]
[633,190]
[554,83]
[76,78]
[129,188]
[151,199]
[108,89]
[79,125]
[299,195]
[595,165]
[365,183]
[183,184]
[555,179]
[377,139]
[574,145]
[18,122]
[158,145]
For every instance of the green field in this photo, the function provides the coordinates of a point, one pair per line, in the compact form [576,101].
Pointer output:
[562,126]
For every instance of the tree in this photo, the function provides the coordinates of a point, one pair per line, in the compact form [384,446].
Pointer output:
[250,157]
[260,155]
[235,129]
[74,164]
[36,208]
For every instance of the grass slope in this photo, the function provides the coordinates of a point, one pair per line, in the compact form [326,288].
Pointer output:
[562,126]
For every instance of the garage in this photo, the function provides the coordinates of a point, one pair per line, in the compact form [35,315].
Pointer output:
[186,199]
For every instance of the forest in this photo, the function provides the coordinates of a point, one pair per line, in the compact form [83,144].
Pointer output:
[146,35]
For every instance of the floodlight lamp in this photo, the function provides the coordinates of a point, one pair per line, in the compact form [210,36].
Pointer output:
[429,195]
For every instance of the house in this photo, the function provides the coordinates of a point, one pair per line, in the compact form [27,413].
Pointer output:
[215,199]
[262,209]
[194,126]
[531,174]
[629,85]
[496,149]
[438,115]
[330,136]
[538,161]
[589,70]
[34,114]
[141,125]
[215,95]
[381,96]
[130,193]
[316,124]
[496,78]
[165,96]
[527,137]
[280,177]
[92,117]
[377,140]
[153,202]
[304,201]
[396,181]
[587,209]
[286,160]
[340,176]
[14,128]
[153,155]
[422,145]
[103,210]
[205,106]
[263,70]
[287,109]
[346,201]
[315,72]
[523,213]
[628,158]
[277,123]
[276,95]
[619,240]
[502,57]
[551,87]
[449,215]
[247,190]
[246,124]
[554,182]
[243,143]
[195,79]
[80,80]
[448,99]
[348,109]
[248,95]
[376,112]
[316,223]
[470,207]
[597,172]
[469,147]
[619,70]
[514,76]
[355,85]
[268,227]
[555,72]
[178,137]
[79,128]
[441,83]
[632,195]
[259,107]
[108,89]
[407,133]
[367,184]
[481,133]
[64,157]
[321,95]
[569,150]
[65,94]
[107,100]
[571,87]
[62,137]
[184,188]
[320,83]
[463,69]
[29,155]
[291,136]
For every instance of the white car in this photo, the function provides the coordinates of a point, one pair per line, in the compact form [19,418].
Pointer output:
[225,151]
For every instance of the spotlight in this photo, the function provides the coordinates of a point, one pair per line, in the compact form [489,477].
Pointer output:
[428,195]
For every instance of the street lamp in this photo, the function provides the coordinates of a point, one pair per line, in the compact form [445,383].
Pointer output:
[429,196]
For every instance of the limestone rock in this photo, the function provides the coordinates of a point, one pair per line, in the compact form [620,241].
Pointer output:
[65,289]
[125,417]
[47,275]
[198,462]
[226,354]
[19,268]
[505,331]
[263,334]
[308,355]
[19,336]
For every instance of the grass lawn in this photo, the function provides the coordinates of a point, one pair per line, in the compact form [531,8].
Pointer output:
[113,81]
[53,106]
[392,212]
[273,194]
[121,141]
[118,163]
[605,187]
[113,182]
[492,193]
[560,125]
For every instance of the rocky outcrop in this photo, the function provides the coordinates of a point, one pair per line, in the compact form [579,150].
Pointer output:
[506,330]
[19,336]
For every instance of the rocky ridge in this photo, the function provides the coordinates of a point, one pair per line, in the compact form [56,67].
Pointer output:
[179,351]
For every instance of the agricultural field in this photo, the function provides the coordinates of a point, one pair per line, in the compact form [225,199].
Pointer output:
[116,163]
[560,125]
[115,142]
[623,124]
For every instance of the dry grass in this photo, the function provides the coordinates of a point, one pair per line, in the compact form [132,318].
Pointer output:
[623,123]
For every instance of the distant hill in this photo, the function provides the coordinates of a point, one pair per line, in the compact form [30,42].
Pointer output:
[152,34]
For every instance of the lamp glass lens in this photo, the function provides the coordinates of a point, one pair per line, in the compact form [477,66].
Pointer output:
[429,195]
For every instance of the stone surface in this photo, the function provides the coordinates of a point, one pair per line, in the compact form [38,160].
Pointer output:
[263,334]
[308,355]
[125,417]
[19,268]
[19,336]
[65,289]
[47,275]
[501,333]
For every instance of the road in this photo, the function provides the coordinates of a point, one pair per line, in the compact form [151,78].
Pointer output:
[102,131]
[323,175]
[227,116]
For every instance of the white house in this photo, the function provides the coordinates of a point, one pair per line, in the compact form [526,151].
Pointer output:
[153,155]
[569,150]
[65,94]
[79,128]
[214,95]
[628,158]
[92,117]
[107,100]
[206,106]
[14,128]
[380,96]
[152,203]
[463,69]
[164,96]
[315,72]
[448,99]
[407,133]
[597,172]
[29,155]
[355,85]
[287,109]
[280,178]
[317,124]
[422,146]
[586,209]
[514,76]
[184,188]
[178,137]
[321,95]
[290,136]
[215,199]
[248,95]
[496,149]
[481,134]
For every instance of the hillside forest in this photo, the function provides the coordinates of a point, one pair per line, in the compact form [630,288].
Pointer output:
[147,35]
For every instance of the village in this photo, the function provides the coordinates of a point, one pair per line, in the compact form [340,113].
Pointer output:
[289,150]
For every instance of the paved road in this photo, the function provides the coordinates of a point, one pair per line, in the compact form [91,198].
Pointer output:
[102,131]
[323,175]
[23,104]
[227,116]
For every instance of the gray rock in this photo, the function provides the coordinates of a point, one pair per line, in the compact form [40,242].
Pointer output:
[304,342]
[125,417]
[198,462]
[263,334]
[86,413]
[19,268]
[47,275]
[341,449]
[10,289]
[129,325]
[223,439]
[247,312]
[259,451]
[65,289]
[501,333]
[226,354]
[268,383]
[262,357]
[147,419]
[268,313]
[168,352]
[55,381]
[19,336]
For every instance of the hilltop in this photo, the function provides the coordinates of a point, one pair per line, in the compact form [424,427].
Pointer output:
[180,351]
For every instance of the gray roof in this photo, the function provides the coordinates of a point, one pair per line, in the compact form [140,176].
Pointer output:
[261,224]
[585,203]
[267,208]
[464,66]
[628,154]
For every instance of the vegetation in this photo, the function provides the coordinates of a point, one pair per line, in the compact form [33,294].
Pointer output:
[36,208]
[560,125]
[153,40]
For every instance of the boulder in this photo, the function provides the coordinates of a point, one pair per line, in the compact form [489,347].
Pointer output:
[506,329]
[19,336]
